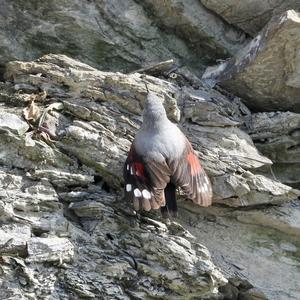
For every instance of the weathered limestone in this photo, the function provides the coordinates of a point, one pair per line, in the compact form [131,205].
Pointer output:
[12,123]
[251,244]
[52,193]
[266,72]
[97,260]
[277,135]
[106,109]
[250,15]
[64,185]
[114,35]
[13,239]
[49,249]
[197,26]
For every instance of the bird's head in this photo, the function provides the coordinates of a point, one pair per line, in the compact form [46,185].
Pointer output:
[154,110]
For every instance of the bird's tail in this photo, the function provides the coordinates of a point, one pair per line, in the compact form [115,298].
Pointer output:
[171,206]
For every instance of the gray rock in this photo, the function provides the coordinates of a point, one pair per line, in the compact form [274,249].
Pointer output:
[51,249]
[248,245]
[12,123]
[91,209]
[108,34]
[276,135]
[98,246]
[61,178]
[248,189]
[266,72]
[194,23]
[14,238]
[284,218]
[105,126]
[250,15]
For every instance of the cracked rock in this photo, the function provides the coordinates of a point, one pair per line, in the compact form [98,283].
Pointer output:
[265,73]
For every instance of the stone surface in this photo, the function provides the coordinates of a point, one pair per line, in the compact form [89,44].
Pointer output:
[195,23]
[65,185]
[108,34]
[248,189]
[277,136]
[14,238]
[62,191]
[12,123]
[284,218]
[49,249]
[105,121]
[266,72]
[251,245]
[250,15]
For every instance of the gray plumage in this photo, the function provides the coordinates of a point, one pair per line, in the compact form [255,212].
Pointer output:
[161,159]
[158,135]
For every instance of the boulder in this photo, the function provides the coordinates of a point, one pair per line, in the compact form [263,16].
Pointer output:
[250,15]
[199,27]
[265,73]
[110,36]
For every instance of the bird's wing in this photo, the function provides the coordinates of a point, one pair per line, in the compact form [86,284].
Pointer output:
[188,173]
[145,180]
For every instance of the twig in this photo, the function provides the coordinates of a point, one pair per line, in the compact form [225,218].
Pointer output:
[155,69]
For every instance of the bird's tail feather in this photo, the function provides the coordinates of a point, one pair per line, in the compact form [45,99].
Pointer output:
[171,205]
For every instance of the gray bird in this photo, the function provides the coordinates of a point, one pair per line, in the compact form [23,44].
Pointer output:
[161,159]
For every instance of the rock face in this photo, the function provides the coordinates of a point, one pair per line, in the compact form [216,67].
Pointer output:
[250,15]
[44,256]
[66,128]
[108,34]
[266,72]
[251,244]
[105,108]
[277,135]
[106,256]
[103,253]
[70,159]
[195,23]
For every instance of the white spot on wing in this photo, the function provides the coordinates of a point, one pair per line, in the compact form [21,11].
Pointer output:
[146,194]
[128,187]
[203,188]
[128,167]
[131,171]
[137,193]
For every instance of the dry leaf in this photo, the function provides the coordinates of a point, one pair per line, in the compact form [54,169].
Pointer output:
[31,112]
[41,96]
[35,97]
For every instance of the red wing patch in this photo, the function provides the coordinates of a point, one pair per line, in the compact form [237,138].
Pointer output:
[139,170]
[194,163]
[138,188]
[191,177]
